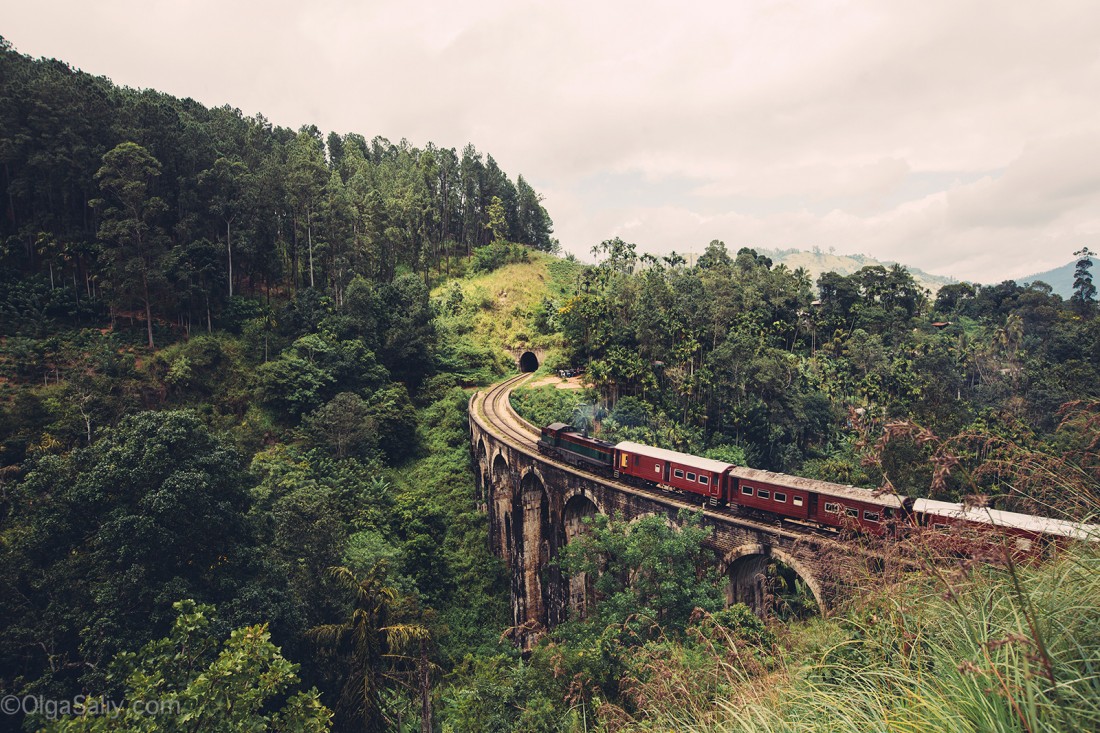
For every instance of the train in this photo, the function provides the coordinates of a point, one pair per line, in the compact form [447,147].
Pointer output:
[818,505]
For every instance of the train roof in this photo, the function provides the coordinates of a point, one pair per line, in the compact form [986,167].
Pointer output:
[1012,520]
[706,464]
[557,427]
[825,488]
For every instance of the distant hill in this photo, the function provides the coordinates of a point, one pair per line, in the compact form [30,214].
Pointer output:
[1060,278]
[818,263]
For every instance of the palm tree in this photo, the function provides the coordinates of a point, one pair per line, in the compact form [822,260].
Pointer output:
[364,645]
[1009,336]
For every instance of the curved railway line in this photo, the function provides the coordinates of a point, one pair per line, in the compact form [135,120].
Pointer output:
[497,408]
[523,515]
[497,416]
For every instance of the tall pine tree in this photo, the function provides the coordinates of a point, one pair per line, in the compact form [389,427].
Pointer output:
[1084,292]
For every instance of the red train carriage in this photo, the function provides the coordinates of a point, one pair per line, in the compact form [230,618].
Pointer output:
[669,469]
[831,505]
[816,503]
[965,527]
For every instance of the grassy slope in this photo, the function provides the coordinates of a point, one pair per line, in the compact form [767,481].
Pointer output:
[498,306]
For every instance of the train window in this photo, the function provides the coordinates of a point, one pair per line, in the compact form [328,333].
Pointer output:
[704,480]
[852,512]
[746,490]
[657,468]
[796,500]
[887,512]
[832,507]
[763,493]
[1023,544]
[691,476]
[635,460]
[870,516]
[678,473]
[780,497]
[939,527]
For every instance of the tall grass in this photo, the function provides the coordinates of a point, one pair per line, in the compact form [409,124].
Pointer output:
[995,644]
[991,652]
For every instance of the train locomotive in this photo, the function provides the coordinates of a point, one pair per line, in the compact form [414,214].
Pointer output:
[820,505]
[565,443]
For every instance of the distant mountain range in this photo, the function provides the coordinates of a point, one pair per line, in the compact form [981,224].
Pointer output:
[1060,278]
[818,263]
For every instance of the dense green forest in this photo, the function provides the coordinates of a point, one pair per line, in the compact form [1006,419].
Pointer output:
[135,202]
[222,375]
[758,364]
[235,362]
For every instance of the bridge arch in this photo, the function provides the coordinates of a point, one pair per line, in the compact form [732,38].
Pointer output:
[744,567]
[501,475]
[581,591]
[500,492]
[533,544]
[533,470]
[580,491]
[671,521]
[481,475]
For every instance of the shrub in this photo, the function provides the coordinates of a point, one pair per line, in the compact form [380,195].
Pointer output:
[498,254]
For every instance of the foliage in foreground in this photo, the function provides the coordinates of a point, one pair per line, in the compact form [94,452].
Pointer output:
[190,682]
[1006,649]
[648,568]
[653,599]
[365,645]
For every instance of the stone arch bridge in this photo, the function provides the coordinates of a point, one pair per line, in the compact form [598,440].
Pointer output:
[537,505]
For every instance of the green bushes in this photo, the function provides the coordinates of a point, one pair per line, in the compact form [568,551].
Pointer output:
[544,405]
[498,254]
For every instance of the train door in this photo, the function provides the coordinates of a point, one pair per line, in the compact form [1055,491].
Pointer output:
[715,488]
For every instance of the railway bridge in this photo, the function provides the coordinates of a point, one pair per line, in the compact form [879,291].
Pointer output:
[537,505]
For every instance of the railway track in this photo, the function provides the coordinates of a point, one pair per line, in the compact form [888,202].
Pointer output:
[493,411]
[496,413]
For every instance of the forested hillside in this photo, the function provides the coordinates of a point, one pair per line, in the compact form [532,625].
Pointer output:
[222,375]
[857,379]
[235,363]
[139,204]
[981,392]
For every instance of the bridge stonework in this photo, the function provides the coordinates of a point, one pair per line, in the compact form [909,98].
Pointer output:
[536,506]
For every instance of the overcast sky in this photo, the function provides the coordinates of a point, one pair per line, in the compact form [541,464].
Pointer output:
[959,137]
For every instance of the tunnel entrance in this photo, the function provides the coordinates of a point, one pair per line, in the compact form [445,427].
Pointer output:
[528,362]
